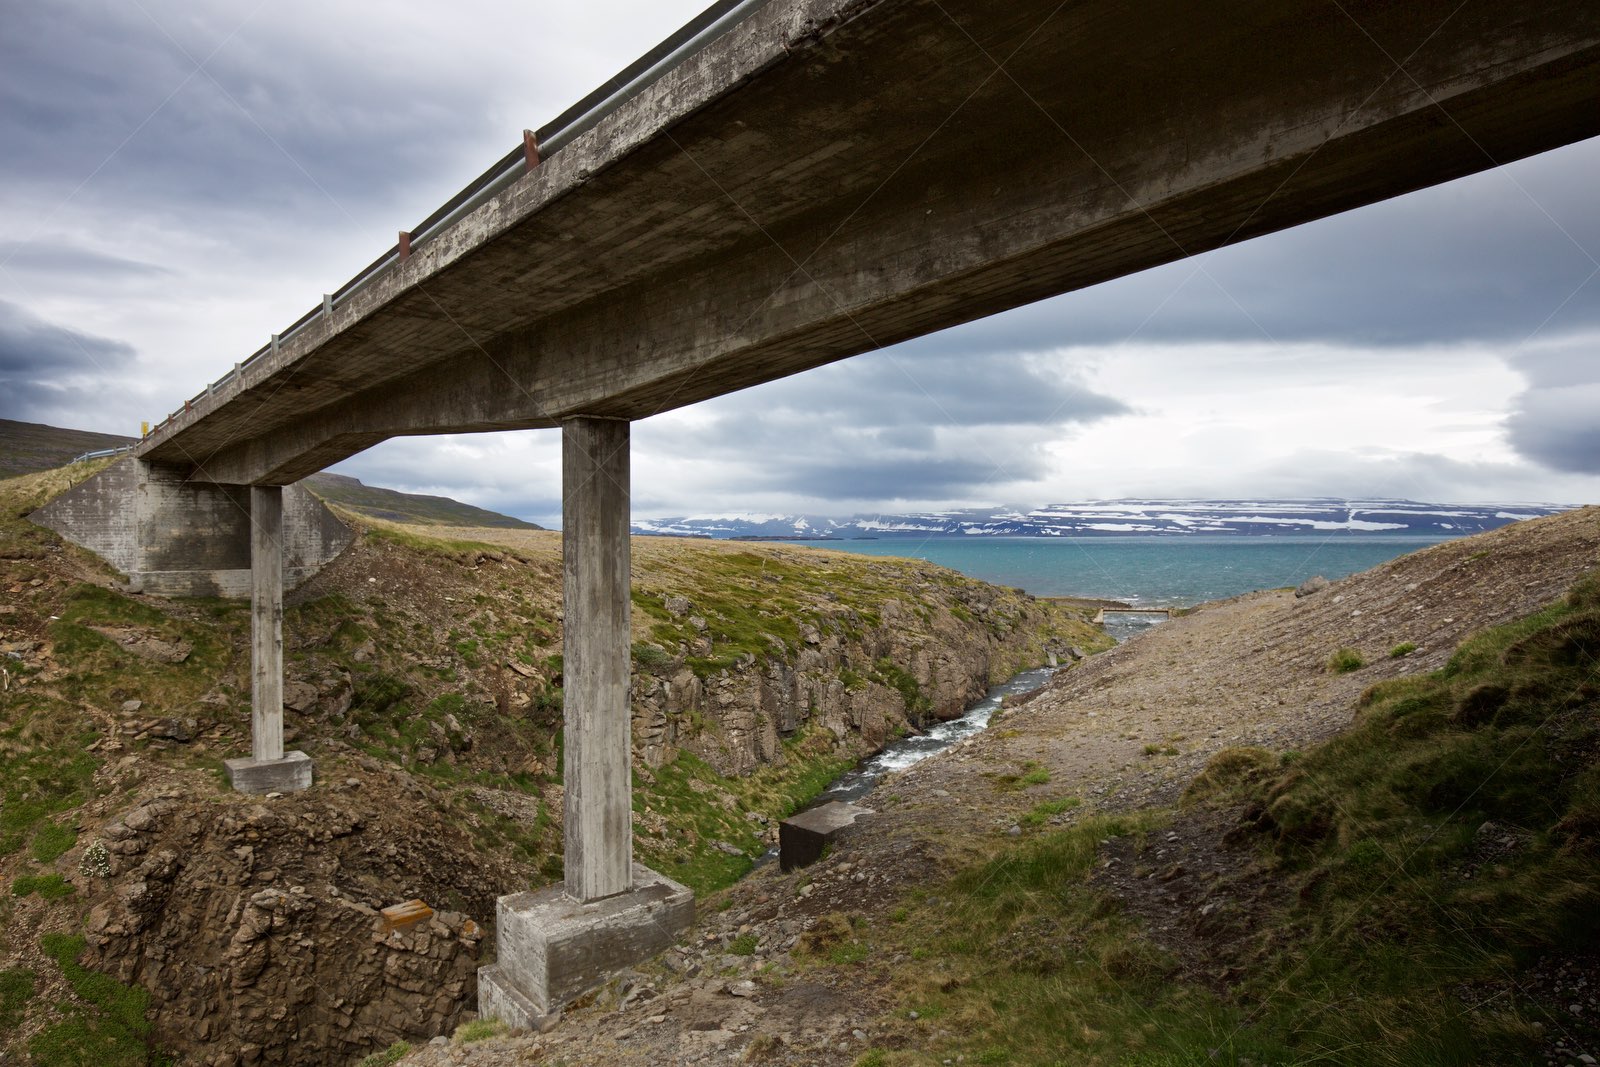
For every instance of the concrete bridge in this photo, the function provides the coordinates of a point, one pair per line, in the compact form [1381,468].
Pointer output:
[791,183]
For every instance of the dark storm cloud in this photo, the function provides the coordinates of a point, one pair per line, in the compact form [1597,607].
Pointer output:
[43,366]
[1558,428]
[1555,421]
[891,427]
[104,97]
[1495,256]
[841,472]
[913,391]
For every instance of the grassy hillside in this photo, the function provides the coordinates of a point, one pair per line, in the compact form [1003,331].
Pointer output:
[417,509]
[26,447]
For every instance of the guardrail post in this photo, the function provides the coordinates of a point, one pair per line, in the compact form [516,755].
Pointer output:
[404,246]
[530,148]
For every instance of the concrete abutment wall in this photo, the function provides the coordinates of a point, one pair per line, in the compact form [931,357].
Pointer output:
[173,536]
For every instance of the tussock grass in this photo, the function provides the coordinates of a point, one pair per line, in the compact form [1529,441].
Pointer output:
[1345,660]
[393,1054]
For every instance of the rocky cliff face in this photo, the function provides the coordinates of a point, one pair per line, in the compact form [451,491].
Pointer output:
[865,679]
[260,929]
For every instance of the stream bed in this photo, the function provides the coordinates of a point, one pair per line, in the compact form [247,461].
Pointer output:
[898,755]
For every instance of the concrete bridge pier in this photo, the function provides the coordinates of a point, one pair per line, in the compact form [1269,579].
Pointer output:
[268,769]
[558,943]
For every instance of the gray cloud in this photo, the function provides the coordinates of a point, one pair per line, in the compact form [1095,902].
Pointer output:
[282,116]
[77,262]
[1559,427]
[44,366]
[885,427]
[1554,422]
[915,390]
[1489,257]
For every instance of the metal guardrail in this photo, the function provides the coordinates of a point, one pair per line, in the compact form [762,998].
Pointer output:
[537,145]
[102,453]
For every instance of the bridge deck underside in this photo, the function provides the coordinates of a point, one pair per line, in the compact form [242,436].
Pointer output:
[831,177]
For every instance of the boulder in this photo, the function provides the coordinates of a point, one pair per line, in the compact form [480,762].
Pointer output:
[1311,586]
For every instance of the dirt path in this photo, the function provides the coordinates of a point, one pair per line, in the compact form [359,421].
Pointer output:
[1127,729]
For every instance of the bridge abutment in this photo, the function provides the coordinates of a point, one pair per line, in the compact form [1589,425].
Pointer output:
[555,944]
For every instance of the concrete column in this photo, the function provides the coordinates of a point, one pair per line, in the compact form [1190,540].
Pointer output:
[596,657]
[269,769]
[266,622]
[556,943]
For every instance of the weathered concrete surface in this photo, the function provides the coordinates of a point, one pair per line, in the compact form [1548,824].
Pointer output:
[174,537]
[266,623]
[803,837]
[836,175]
[289,773]
[596,658]
[552,949]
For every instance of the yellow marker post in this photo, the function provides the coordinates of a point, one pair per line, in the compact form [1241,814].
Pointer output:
[144,429]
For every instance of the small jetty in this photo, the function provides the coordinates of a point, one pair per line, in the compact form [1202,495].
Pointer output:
[1100,615]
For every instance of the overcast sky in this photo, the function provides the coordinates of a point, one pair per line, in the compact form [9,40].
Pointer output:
[181,179]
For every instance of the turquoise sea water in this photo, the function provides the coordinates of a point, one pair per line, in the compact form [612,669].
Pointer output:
[1148,571]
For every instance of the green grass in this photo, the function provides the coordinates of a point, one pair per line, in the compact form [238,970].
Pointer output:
[393,1054]
[918,704]
[16,989]
[51,841]
[1403,649]
[1048,808]
[479,1030]
[689,794]
[1032,773]
[1345,660]
[44,770]
[49,886]
[743,945]
[106,1024]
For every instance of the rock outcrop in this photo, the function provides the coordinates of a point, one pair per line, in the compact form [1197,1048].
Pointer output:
[259,931]
[864,680]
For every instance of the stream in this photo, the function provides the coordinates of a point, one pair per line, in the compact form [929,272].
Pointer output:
[860,780]
[898,755]
[907,751]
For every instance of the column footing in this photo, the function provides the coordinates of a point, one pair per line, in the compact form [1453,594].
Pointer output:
[551,949]
[290,774]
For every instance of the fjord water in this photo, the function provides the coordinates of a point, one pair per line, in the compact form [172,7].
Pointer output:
[1149,571]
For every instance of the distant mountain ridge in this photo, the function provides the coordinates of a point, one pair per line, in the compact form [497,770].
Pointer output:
[415,508]
[1178,518]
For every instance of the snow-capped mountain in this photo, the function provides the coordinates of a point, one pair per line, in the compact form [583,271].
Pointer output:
[1121,517]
